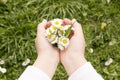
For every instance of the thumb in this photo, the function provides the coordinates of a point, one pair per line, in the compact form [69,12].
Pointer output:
[41,28]
[77,27]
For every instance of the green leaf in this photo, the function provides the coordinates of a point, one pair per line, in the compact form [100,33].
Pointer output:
[68,32]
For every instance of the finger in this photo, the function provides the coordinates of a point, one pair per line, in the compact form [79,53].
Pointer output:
[41,28]
[77,27]
[48,25]
[67,21]
[78,32]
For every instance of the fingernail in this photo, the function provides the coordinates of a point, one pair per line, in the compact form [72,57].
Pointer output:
[74,21]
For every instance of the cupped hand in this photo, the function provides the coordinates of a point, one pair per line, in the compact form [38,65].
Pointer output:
[73,57]
[48,56]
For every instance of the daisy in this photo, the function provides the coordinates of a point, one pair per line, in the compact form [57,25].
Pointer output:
[63,41]
[91,50]
[61,32]
[3,70]
[26,62]
[61,27]
[49,31]
[54,39]
[108,62]
[56,22]
[103,25]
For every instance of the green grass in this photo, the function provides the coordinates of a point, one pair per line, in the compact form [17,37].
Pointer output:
[19,19]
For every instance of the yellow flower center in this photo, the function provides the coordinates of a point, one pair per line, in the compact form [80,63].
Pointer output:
[102,27]
[64,41]
[56,22]
[54,38]
[61,27]
[60,32]
[48,36]
[54,28]
[50,31]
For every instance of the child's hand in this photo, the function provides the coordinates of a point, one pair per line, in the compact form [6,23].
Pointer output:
[48,56]
[73,57]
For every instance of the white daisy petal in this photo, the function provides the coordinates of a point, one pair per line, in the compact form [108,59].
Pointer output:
[104,24]
[108,62]
[61,47]
[91,50]
[66,27]
[26,62]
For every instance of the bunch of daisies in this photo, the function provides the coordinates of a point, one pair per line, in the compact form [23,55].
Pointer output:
[58,33]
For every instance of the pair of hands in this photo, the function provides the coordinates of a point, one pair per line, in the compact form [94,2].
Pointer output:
[49,56]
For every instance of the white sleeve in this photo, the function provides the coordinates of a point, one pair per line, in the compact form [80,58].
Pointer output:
[86,72]
[33,73]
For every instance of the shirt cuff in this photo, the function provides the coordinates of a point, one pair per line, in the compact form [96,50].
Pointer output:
[33,73]
[86,72]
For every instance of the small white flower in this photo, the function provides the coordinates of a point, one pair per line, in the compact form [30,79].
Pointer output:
[91,50]
[49,37]
[26,62]
[108,62]
[54,39]
[49,31]
[54,28]
[2,62]
[60,27]
[61,32]
[112,42]
[104,24]
[64,42]
[56,22]
[3,70]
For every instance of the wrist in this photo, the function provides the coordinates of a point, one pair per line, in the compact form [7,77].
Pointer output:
[71,64]
[46,64]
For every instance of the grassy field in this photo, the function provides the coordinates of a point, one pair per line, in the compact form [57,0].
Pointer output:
[100,20]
